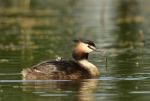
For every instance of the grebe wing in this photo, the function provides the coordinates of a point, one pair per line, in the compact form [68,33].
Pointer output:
[49,67]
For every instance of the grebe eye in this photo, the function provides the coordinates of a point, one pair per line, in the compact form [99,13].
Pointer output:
[91,43]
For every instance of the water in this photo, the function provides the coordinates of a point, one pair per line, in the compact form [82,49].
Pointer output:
[35,30]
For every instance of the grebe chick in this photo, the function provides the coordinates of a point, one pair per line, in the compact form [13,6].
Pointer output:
[79,68]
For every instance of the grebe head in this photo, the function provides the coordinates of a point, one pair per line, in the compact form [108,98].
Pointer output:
[85,46]
[80,54]
[82,49]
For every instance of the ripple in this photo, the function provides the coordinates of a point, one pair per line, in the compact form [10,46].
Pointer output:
[3,74]
[140,92]
[27,81]
[54,95]
[99,94]
[123,78]
[38,92]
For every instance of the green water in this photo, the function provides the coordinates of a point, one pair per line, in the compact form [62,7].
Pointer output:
[36,30]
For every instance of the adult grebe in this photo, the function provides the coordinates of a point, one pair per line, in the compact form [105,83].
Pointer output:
[79,68]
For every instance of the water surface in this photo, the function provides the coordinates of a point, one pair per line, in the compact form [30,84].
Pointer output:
[35,30]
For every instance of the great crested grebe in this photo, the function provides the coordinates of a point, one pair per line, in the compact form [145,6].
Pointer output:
[79,68]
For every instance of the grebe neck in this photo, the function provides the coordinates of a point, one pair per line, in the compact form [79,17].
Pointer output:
[82,59]
[91,68]
[79,55]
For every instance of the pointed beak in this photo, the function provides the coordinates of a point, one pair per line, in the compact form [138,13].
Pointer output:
[98,50]
[92,47]
[95,49]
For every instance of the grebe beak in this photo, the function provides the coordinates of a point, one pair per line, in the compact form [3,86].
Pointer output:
[98,50]
[95,49]
[92,47]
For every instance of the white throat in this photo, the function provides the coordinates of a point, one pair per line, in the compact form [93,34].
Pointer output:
[92,69]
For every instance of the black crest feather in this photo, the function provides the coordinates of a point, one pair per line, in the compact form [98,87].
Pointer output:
[89,42]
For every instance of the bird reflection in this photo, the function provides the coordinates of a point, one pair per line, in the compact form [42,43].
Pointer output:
[86,90]
[79,90]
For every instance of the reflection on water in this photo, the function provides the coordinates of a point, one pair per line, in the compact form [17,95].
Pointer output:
[83,90]
[129,24]
[33,31]
[129,37]
[130,43]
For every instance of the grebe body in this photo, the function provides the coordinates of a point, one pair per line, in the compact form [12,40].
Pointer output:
[79,68]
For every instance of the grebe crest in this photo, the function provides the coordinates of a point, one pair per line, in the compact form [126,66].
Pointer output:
[79,68]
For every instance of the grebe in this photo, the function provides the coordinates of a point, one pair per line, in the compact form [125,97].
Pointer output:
[79,68]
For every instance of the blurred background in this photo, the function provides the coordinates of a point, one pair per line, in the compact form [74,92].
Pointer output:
[32,31]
